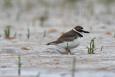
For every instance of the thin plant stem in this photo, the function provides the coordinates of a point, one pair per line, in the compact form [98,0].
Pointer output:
[102,48]
[19,65]
[73,67]
[7,31]
[28,33]
[91,48]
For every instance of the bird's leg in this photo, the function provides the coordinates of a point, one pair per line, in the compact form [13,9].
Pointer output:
[67,49]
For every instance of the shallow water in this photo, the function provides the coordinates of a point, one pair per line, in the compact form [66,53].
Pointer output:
[37,57]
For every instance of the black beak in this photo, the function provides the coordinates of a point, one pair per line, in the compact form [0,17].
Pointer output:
[85,31]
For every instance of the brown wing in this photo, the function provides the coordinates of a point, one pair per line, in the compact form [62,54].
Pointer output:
[69,36]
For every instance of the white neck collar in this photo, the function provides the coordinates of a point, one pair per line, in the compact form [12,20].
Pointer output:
[75,30]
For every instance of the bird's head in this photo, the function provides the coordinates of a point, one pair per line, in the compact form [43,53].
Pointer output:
[80,29]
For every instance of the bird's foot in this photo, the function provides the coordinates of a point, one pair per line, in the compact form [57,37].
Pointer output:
[68,51]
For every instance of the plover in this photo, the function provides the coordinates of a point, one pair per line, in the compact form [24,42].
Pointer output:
[69,39]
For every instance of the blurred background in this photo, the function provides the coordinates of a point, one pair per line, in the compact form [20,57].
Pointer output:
[50,18]
[58,12]
[27,25]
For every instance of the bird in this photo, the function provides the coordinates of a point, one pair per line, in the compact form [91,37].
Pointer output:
[69,39]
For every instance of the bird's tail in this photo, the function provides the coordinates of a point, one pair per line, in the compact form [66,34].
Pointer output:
[53,43]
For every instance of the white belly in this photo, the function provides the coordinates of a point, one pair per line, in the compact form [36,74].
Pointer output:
[71,44]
